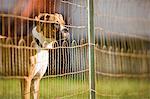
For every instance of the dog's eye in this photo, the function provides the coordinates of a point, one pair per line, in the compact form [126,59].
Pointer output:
[56,25]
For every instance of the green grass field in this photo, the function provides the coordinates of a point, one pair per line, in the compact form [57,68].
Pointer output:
[77,88]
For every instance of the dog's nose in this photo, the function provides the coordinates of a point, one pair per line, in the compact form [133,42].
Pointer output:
[66,35]
[65,30]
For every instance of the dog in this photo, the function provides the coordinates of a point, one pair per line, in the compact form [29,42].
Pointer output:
[40,61]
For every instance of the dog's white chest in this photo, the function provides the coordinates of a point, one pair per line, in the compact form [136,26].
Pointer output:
[41,62]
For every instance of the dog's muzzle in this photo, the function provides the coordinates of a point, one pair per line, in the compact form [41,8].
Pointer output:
[65,33]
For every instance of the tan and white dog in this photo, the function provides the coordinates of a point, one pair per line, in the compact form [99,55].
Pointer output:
[40,61]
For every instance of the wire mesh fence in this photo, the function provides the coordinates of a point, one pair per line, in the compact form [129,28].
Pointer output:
[121,49]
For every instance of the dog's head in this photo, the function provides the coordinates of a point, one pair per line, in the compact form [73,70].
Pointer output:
[53,27]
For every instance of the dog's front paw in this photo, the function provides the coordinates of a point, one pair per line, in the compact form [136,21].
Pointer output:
[47,45]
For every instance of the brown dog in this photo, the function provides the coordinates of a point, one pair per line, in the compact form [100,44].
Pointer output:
[40,60]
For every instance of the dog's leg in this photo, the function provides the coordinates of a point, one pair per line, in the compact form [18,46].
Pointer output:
[35,87]
[35,83]
[25,88]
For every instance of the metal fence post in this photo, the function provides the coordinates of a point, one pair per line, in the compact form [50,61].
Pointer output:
[91,40]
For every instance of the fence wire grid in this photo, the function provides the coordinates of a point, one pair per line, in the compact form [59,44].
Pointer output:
[121,49]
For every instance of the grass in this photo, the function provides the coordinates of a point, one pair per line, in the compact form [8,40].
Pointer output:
[123,88]
[60,87]
[77,88]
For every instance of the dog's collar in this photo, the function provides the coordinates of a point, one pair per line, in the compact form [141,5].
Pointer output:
[38,42]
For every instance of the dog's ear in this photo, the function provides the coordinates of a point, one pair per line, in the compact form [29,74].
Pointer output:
[59,18]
